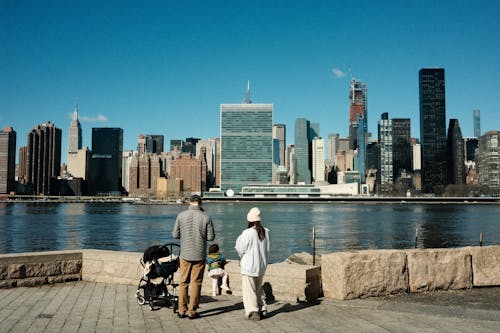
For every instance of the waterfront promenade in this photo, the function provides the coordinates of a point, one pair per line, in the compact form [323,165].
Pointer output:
[99,307]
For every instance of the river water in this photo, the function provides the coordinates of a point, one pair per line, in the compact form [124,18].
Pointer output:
[31,227]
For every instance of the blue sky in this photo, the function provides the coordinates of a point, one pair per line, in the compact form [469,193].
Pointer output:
[164,67]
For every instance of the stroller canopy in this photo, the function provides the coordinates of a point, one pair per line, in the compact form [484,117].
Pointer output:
[155,252]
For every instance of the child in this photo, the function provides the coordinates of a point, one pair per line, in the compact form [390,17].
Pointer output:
[215,263]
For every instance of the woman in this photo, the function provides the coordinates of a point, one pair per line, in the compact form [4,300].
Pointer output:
[253,248]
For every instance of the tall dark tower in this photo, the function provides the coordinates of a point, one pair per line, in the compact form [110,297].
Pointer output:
[456,154]
[44,157]
[7,160]
[433,128]
[401,145]
[106,162]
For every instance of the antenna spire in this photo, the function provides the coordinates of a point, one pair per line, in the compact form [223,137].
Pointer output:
[247,100]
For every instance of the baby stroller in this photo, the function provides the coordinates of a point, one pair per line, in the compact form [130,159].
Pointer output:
[156,286]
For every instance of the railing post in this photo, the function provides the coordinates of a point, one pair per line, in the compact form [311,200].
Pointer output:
[481,239]
[416,236]
[314,246]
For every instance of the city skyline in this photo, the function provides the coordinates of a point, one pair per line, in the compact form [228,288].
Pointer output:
[141,68]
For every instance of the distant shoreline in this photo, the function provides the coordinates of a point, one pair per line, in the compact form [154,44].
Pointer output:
[346,199]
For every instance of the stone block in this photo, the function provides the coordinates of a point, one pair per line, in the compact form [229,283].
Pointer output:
[32,282]
[356,274]
[71,267]
[39,269]
[16,271]
[433,269]
[485,265]
[8,284]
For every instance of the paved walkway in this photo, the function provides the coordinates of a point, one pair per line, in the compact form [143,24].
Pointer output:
[96,307]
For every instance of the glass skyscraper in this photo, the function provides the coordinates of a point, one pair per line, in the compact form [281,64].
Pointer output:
[433,128]
[246,144]
[106,162]
[302,129]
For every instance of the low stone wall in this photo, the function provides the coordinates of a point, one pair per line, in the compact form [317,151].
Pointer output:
[31,269]
[354,274]
[285,282]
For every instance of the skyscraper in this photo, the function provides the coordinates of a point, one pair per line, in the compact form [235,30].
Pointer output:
[358,97]
[385,174]
[488,161]
[105,176]
[302,129]
[401,146]
[246,144]
[44,157]
[7,160]
[477,123]
[433,128]
[279,133]
[456,155]
[318,158]
[74,133]
[332,146]
[154,143]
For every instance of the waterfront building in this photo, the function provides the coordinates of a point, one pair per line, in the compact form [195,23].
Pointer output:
[360,151]
[141,144]
[154,143]
[192,171]
[358,98]
[279,133]
[105,177]
[44,157]
[433,128]
[401,146]
[372,156]
[477,123]
[79,163]
[318,158]
[207,149]
[332,146]
[456,155]
[144,172]
[126,163]
[74,133]
[22,170]
[291,191]
[470,146]
[291,163]
[246,144]
[7,160]
[345,160]
[416,150]
[385,170]
[302,132]
[488,161]
[190,146]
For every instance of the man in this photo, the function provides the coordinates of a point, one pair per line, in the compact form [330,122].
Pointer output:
[194,228]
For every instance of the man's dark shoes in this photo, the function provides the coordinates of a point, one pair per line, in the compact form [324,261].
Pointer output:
[194,315]
[181,315]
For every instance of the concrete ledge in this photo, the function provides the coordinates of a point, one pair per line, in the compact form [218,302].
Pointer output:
[111,266]
[357,274]
[282,281]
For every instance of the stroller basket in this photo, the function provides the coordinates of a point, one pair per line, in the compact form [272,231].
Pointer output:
[156,286]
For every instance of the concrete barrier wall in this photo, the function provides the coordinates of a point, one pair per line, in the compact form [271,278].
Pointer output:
[283,281]
[354,274]
[31,269]
[111,266]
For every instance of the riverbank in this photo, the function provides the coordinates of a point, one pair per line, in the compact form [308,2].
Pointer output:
[292,200]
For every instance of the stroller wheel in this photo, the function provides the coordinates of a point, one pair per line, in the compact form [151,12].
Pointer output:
[140,299]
